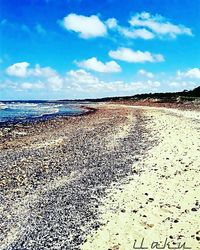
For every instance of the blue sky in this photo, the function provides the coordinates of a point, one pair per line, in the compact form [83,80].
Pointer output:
[56,49]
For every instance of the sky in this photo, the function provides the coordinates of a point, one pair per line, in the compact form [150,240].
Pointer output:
[68,49]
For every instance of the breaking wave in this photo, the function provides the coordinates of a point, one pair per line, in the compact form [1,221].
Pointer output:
[13,111]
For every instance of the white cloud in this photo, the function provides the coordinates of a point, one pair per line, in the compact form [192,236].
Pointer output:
[128,31]
[81,80]
[86,26]
[182,85]
[75,83]
[55,83]
[82,77]
[141,25]
[22,69]
[191,73]
[146,26]
[159,25]
[94,64]
[30,85]
[112,23]
[128,55]
[52,81]
[42,71]
[137,33]
[18,69]
[145,73]
[21,86]
[153,84]
[176,84]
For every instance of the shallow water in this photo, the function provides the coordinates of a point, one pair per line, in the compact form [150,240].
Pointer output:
[21,110]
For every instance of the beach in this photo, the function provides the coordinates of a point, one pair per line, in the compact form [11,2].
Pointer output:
[104,180]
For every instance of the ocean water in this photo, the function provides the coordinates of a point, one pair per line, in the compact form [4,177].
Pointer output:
[32,110]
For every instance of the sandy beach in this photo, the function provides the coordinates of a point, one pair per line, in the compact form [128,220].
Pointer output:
[106,180]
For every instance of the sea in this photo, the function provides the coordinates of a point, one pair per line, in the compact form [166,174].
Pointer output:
[24,111]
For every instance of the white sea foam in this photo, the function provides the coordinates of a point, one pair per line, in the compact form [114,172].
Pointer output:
[10,111]
[18,105]
[3,106]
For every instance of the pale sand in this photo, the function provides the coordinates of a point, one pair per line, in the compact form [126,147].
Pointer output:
[169,174]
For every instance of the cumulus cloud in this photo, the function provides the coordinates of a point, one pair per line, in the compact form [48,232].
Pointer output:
[86,26]
[129,32]
[18,69]
[112,23]
[22,69]
[146,26]
[42,71]
[145,73]
[141,25]
[137,33]
[52,80]
[180,85]
[94,64]
[81,80]
[131,56]
[158,25]
[22,86]
[81,77]
[55,82]
[74,82]
[191,73]
[30,85]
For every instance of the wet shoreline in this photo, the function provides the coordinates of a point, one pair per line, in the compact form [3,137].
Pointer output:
[84,110]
